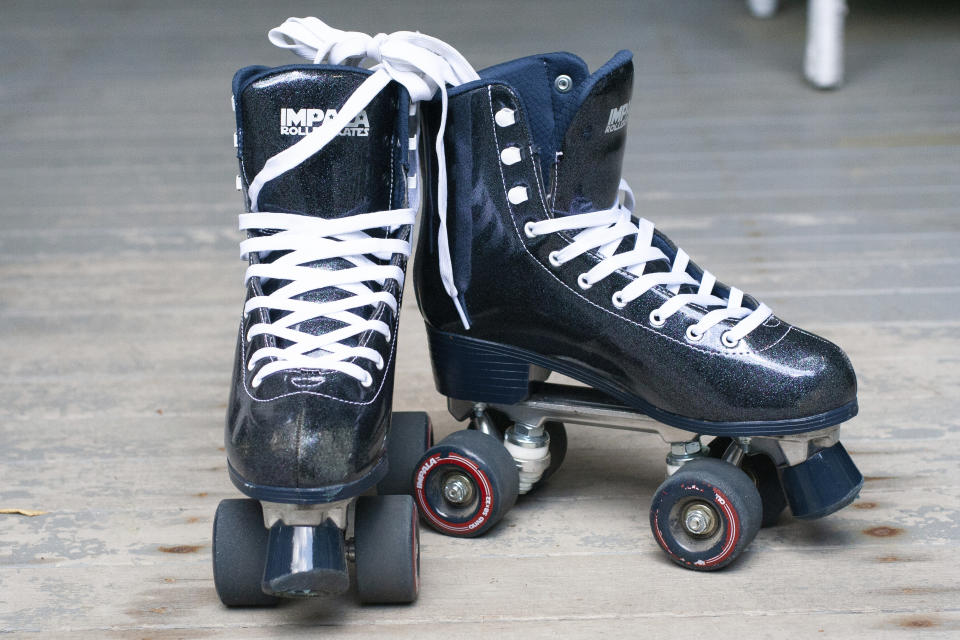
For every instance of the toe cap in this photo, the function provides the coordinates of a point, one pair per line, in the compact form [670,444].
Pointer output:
[824,376]
[302,440]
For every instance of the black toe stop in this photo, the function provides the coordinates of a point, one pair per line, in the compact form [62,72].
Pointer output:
[825,482]
[306,561]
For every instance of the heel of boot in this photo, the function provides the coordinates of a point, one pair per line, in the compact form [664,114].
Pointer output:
[476,370]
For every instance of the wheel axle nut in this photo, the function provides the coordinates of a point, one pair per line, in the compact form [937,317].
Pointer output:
[458,489]
[698,521]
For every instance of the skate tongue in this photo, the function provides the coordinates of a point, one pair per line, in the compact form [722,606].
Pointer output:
[352,174]
[587,173]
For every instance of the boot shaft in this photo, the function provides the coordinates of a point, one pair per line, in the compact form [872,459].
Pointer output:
[577,123]
[362,170]
[563,148]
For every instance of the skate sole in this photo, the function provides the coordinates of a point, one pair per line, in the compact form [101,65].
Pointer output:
[480,371]
[310,495]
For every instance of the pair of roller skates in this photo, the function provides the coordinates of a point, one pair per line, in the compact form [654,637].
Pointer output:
[530,260]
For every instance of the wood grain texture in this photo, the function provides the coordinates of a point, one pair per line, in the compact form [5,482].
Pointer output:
[120,290]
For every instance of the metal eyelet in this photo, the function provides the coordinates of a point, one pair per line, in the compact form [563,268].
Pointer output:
[510,156]
[582,281]
[655,318]
[563,83]
[726,341]
[528,229]
[692,335]
[518,194]
[554,259]
[617,300]
[504,117]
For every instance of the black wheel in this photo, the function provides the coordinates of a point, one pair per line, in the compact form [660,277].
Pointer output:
[239,554]
[705,514]
[387,546]
[764,474]
[558,441]
[411,434]
[465,484]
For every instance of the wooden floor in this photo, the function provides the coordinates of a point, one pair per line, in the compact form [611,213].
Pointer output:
[120,289]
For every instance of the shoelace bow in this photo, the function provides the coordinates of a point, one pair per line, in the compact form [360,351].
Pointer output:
[605,229]
[421,64]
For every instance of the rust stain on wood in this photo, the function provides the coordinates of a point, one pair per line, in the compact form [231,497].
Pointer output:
[180,548]
[917,623]
[883,532]
[864,505]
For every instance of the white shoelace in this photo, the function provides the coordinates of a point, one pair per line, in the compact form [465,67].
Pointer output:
[421,64]
[604,230]
[309,239]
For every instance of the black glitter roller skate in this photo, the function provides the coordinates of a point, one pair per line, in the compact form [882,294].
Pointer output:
[328,166]
[535,262]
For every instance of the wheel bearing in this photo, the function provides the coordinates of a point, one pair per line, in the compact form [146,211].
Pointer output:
[699,519]
[458,489]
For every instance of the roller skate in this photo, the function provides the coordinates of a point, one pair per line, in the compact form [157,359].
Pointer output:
[328,168]
[536,262]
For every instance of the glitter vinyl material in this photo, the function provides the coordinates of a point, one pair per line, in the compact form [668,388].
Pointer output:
[307,435]
[513,296]
[520,156]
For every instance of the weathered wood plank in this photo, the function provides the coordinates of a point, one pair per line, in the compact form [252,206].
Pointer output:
[561,522]
[662,626]
[119,294]
[176,591]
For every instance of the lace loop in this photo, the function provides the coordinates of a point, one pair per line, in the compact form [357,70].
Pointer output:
[305,240]
[604,230]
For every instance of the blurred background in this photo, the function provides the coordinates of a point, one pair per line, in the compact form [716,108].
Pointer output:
[121,288]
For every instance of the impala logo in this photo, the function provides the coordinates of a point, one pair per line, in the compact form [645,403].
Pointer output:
[425,469]
[618,118]
[300,122]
